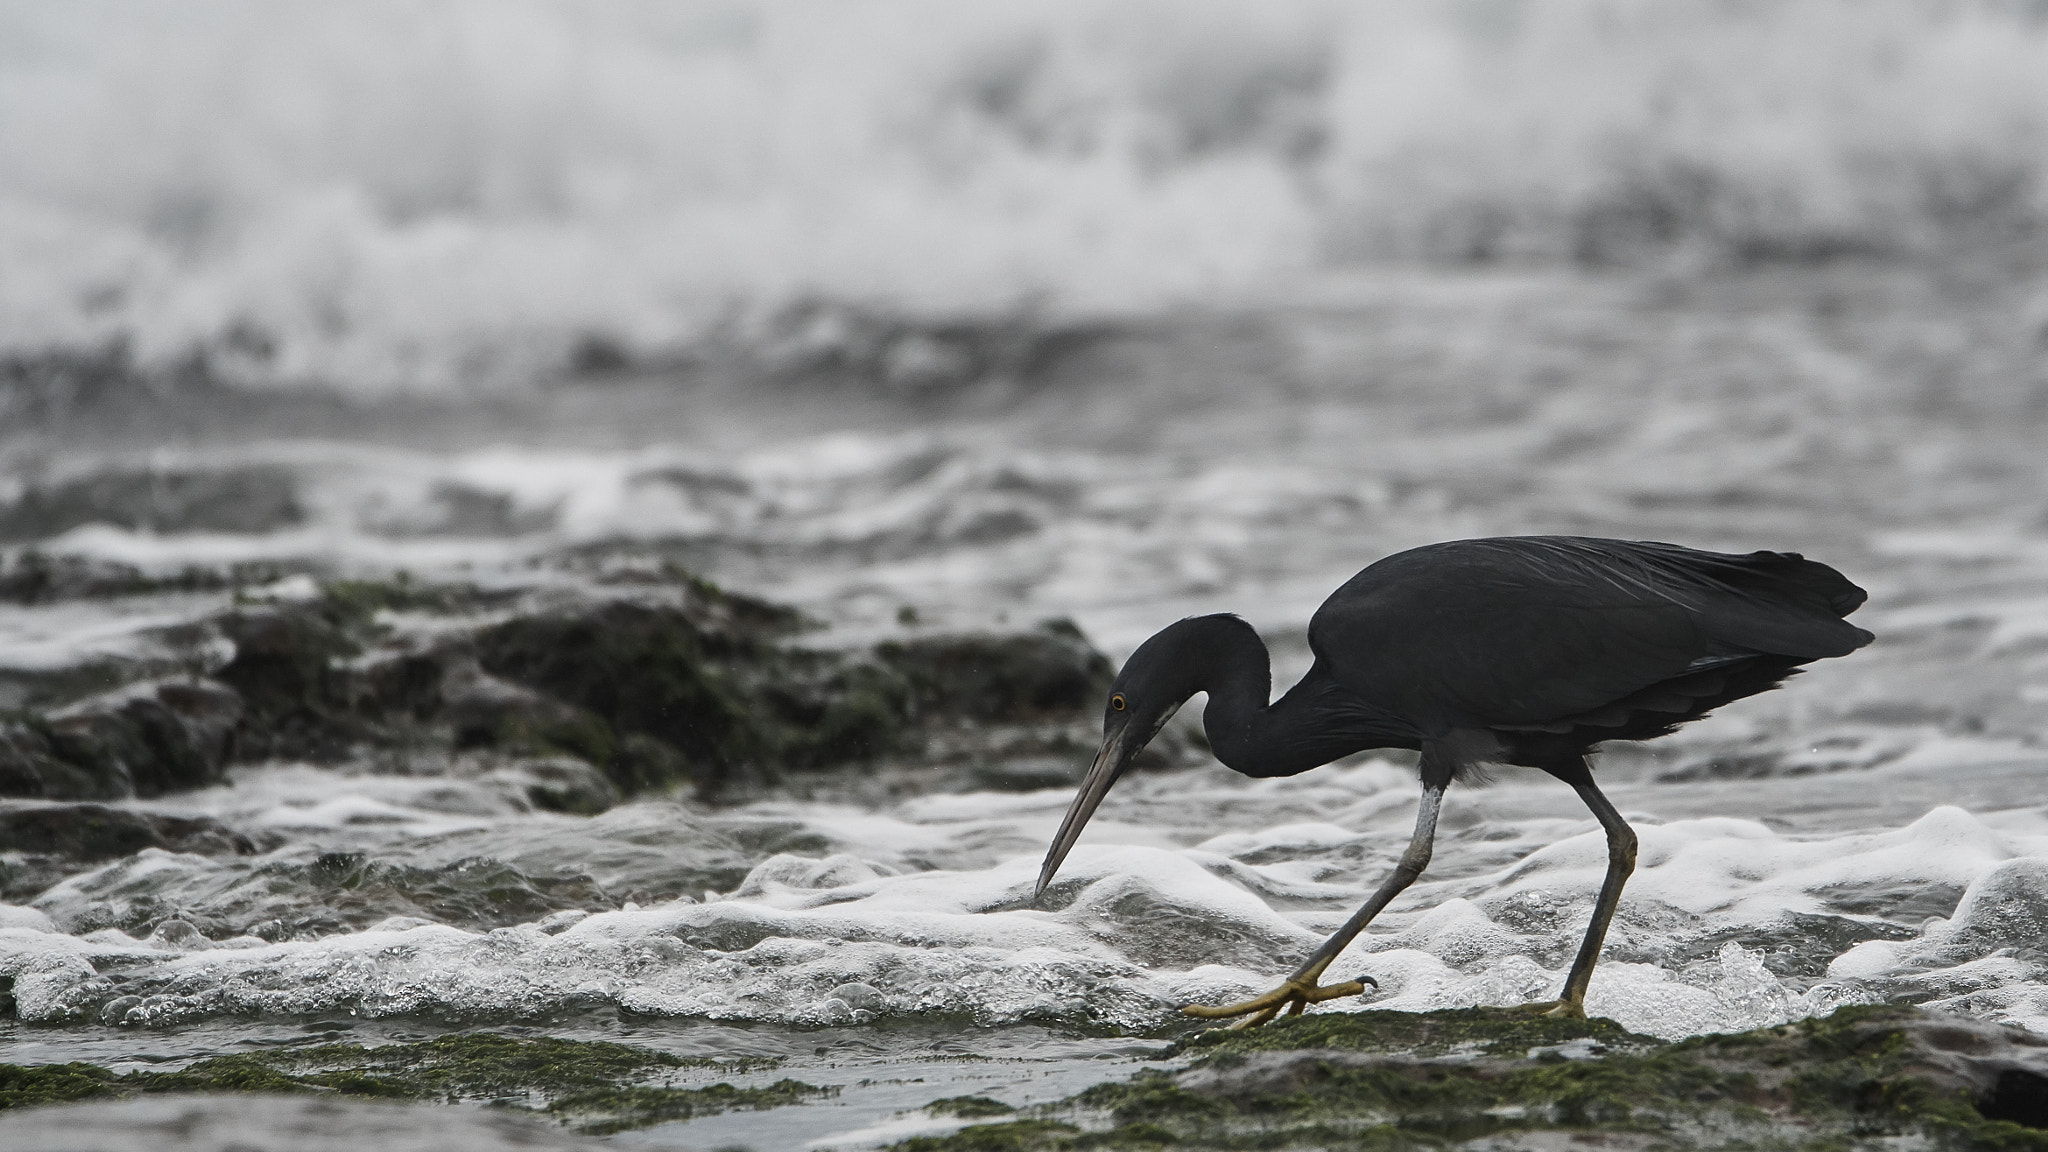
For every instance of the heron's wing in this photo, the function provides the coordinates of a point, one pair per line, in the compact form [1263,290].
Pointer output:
[1526,630]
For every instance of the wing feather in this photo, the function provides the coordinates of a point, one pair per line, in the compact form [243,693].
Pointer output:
[1528,631]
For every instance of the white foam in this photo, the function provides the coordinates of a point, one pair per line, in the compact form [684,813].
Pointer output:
[385,197]
[1148,926]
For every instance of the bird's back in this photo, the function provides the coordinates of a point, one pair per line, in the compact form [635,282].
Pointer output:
[1541,632]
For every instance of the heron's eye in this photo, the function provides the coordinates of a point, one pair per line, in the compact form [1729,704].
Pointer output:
[1117,702]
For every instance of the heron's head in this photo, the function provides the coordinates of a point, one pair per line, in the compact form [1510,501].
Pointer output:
[1157,679]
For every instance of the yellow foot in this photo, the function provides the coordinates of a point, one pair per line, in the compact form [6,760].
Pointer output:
[1560,1009]
[1292,997]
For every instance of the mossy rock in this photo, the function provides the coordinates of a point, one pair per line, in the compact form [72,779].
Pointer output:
[142,740]
[684,685]
[1049,671]
[35,577]
[1482,1031]
[89,832]
[1881,1077]
[595,1085]
[663,693]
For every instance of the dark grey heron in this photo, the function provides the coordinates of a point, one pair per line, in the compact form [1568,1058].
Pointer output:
[1515,650]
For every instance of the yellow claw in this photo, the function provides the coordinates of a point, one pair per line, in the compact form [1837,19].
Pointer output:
[1293,997]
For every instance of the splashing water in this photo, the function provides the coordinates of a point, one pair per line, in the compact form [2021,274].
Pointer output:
[395,197]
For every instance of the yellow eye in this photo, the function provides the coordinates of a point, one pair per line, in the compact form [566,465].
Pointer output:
[1117,702]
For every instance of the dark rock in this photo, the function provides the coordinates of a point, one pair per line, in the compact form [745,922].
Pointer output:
[150,738]
[142,740]
[42,843]
[678,682]
[35,577]
[1024,676]
[650,670]
[1505,1078]
[88,832]
[30,765]
[297,702]
[241,1120]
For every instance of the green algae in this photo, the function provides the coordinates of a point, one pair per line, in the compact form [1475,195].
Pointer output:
[591,1084]
[1491,1031]
[1862,1078]
[968,1107]
[602,1112]
[690,685]
[707,694]
[22,1086]
[1015,1136]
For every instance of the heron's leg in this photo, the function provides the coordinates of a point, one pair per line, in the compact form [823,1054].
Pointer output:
[1621,861]
[1301,989]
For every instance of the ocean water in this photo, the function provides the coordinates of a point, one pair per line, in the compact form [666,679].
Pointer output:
[999,317]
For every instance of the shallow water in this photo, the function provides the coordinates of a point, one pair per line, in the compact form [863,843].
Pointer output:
[1875,830]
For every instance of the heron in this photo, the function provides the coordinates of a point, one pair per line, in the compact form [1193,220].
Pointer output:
[1527,650]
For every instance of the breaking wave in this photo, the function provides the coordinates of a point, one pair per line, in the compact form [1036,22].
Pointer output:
[394,197]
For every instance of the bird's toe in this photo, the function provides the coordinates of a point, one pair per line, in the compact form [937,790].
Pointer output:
[1291,998]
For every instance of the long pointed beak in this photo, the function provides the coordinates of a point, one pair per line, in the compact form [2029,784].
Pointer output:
[1109,764]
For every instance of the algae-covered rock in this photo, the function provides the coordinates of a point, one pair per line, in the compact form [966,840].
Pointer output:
[656,684]
[1875,1077]
[217,1122]
[726,699]
[42,842]
[141,740]
[31,576]
[31,765]
[594,1085]
[1050,671]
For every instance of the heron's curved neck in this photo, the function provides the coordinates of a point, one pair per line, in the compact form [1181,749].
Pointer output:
[1317,721]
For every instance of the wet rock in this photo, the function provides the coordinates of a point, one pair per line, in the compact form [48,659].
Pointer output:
[284,667]
[658,686]
[35,577]
[163,736]
[1050,671]
[89,832]
[728,703]
[243,1122]
[31,765]
[596,1086]
[142,740]
[255,499]
[1502,1078]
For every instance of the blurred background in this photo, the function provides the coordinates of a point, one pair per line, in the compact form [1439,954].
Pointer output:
[442,198]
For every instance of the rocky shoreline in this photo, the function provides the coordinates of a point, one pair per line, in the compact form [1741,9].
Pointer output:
[563,695]
[1864,1078]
